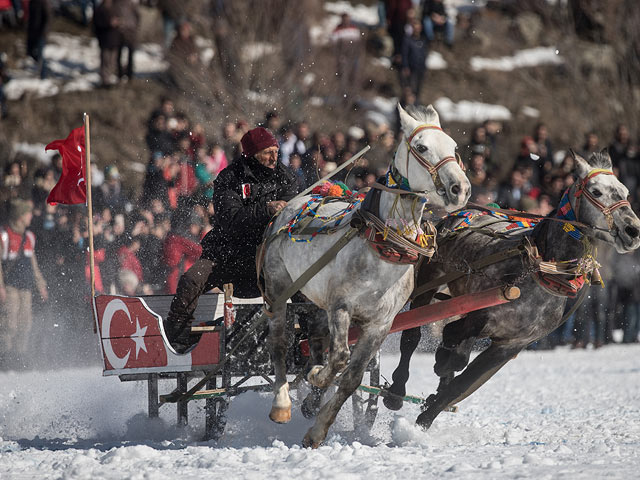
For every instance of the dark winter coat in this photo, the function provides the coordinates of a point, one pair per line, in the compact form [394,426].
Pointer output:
[414,53]
[104,22]
[241,194]
[128,17]
[38,25]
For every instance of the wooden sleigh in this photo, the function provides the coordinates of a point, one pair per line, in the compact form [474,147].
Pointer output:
[134,347]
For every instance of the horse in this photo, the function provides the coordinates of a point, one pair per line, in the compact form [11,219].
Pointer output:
[593,209]
[357,285]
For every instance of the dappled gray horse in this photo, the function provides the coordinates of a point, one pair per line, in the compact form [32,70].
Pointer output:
[357,285]
[597,200]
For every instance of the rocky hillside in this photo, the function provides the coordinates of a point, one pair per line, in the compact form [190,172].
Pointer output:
[501,61]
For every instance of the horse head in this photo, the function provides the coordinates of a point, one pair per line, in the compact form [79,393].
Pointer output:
[427,159]
[599,199]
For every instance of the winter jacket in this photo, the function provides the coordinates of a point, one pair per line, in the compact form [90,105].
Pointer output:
[241,194]
[179,254]
[104,22]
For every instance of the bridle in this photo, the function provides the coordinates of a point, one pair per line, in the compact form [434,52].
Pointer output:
[607,211]
[432,169]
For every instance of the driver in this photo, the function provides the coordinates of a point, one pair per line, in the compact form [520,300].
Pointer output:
[246,195]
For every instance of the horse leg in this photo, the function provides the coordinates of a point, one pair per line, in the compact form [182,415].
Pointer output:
[339,321]
[458,339]
[481,369]
[281,406]
[318,344]
[408,343]
[367,346]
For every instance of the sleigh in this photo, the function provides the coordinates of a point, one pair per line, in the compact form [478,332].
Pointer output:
[134,347]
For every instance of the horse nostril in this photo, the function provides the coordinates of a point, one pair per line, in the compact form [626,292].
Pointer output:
[455,189]
[633,232]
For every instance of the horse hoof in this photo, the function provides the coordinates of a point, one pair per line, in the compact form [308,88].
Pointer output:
[392,401]
[424,422]
[280,415]
[308,443]
[312,376]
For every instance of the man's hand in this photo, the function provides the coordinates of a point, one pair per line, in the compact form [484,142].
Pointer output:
[275,206]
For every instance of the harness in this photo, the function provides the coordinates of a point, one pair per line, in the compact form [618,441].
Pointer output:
[559,278]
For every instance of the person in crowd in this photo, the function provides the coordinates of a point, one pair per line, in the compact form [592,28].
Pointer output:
[347,41]
[414,59]
[621,147]
[37,30]
[396,12]
[19,275]
[435,20]
[128,19]
[590,146]
[181,247]
[510,193]
[173,13]
[4,78]
[110,193]
[246,195]
[543,147]
[105,22]
[183,52]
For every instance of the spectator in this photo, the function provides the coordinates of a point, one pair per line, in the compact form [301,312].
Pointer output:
[396,11]
[348,47]
[435,20]
[590,145]
[37,29]
[181,247]
[105,24]
[110,193]
[4,78]
[414,59]
[173,13]
[510,193]
[128,19]
[543,146]
[19,274]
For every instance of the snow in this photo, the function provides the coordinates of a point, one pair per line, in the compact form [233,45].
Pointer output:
[560,414]
[470,111]
[531,57]
[73,63]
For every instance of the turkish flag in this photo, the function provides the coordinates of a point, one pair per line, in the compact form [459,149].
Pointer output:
[71,188]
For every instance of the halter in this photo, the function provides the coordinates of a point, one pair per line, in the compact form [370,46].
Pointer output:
[581,190]
[432,169]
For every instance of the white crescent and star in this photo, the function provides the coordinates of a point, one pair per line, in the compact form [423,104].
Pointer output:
[112,307]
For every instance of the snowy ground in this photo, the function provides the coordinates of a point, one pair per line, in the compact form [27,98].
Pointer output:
[561,414]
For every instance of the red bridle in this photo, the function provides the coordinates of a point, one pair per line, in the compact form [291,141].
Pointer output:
[432,169]
[607,211]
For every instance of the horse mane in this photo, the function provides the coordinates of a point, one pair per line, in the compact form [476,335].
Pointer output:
[422,114]
[600,159]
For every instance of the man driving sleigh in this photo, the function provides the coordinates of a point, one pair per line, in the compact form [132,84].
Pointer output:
[246,196]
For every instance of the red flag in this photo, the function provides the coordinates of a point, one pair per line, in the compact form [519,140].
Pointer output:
[71,188]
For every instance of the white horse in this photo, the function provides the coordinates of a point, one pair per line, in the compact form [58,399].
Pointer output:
[357,285]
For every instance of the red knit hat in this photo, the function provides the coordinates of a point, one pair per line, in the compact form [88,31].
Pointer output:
[257,139]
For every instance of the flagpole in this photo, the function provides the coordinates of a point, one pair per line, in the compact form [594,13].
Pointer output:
[87,137]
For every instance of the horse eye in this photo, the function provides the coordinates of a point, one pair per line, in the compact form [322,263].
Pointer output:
[422,148]
[596,193]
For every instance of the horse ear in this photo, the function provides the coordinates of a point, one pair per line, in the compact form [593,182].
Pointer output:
[407,122]
[582,167]
[433,115]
